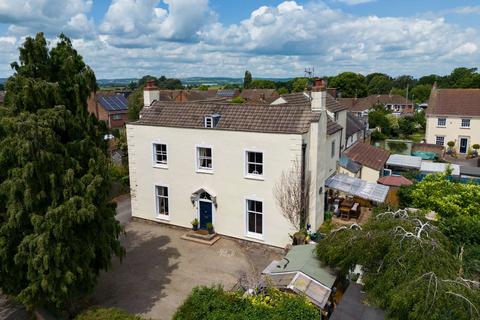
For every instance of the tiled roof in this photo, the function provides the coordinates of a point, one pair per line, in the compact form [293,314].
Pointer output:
[394,181]
[332,126]
[367,155]
[354,124]
[245,117]
[259,95]
[362,104]
[116,102]
[458,102]
[303,97]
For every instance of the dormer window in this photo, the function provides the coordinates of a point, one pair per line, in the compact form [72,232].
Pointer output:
[208,122]
[211,121]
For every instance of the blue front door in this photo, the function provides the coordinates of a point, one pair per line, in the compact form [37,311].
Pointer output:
[205,214]
[463,145]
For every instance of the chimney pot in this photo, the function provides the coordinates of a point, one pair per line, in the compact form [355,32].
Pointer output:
[319,85]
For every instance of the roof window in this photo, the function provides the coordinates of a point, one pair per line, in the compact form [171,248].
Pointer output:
[211,121]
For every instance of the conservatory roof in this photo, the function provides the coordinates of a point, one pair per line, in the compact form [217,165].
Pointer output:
[358,187]
[301,272]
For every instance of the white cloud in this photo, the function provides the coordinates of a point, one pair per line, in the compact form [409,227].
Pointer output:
[49,16]
[467,10]
[183,38]
[141,22]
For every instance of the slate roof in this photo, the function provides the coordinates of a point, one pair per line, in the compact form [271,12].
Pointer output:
[354,124]
[367,155]
[394,181]
[455,102]
[113,103]
[351,306]
[362,104]
[303,97]
[290,119]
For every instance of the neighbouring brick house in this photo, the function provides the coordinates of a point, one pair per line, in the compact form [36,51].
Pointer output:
[110,107]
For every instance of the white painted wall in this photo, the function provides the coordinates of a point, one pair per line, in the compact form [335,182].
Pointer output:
[453,130]
[227,181]
[369,174]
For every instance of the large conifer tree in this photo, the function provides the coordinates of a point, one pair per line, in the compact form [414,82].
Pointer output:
[57,225]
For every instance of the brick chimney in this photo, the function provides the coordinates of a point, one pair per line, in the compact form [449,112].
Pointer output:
[319,95]
[150,93]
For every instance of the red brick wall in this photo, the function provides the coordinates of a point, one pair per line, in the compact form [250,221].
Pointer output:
[117,123]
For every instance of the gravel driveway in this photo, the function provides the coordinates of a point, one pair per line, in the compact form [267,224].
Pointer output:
[160,269]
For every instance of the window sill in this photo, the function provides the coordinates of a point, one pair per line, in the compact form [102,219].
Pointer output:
[207,171]
[464,127]
[255,236]
[160,166]
[254,177]
[163,218]
[441,126]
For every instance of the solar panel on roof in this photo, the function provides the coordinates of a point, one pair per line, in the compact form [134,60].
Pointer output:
[113,103]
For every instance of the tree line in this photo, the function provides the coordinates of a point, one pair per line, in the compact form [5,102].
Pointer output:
[351,84]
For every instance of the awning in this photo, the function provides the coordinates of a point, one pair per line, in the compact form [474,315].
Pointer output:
[358,187]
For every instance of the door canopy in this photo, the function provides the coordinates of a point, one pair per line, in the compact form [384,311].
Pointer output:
[203,194]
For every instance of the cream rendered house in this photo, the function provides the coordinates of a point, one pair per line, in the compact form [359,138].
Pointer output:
[454,115]
[219,163]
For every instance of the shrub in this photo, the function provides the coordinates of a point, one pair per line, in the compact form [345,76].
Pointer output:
[214,303]
[397,146]
[106,314]
[238,100]
[451,144]
[476,146]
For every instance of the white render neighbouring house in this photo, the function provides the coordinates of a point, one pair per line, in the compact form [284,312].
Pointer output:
[219,162]
[453,115]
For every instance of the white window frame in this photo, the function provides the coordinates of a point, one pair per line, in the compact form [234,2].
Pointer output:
[436,141]
[441,125]
[245,166]
[198,169]
[463,126]
[155,164]
[165,217]
[249,234]
[208,122]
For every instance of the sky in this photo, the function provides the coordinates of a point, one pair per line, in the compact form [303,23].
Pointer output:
[270,38]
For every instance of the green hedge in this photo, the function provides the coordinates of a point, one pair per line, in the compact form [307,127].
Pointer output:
[106,314]
[214,303]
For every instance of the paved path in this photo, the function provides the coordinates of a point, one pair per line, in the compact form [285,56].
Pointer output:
[124,209]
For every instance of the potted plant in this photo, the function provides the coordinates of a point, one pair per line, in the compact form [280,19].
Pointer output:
[210,228]
[475,147]
[195,224]
[450,145]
